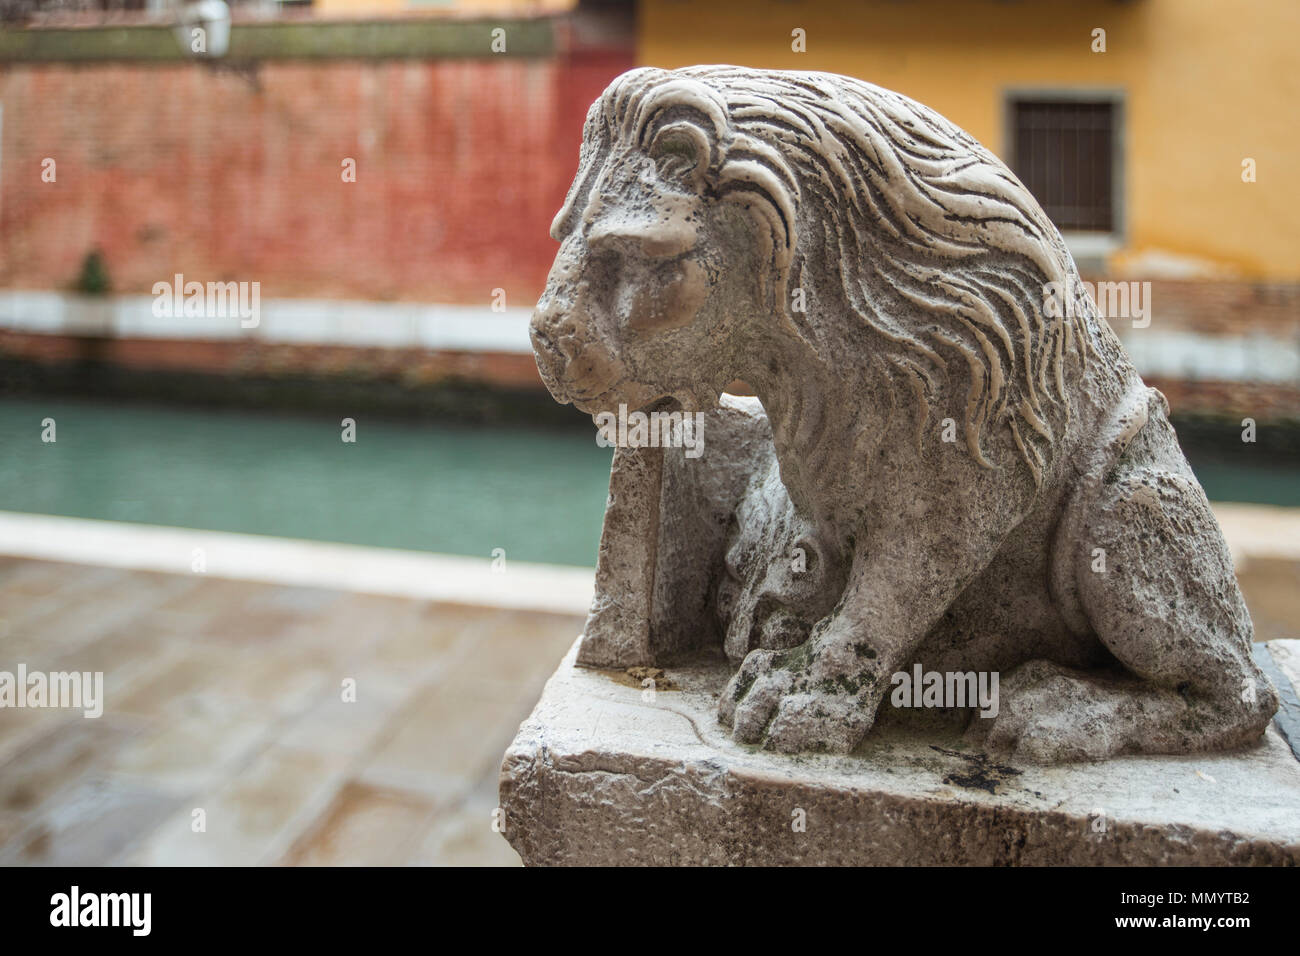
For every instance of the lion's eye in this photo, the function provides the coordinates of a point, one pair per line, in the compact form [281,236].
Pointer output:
[676,152]
[674,166]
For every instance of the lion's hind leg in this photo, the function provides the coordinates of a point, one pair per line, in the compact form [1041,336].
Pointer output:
[1156,583]
[1048,713]
[1164,600]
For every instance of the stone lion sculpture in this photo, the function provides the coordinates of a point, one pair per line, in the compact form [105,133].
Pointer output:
[952,434]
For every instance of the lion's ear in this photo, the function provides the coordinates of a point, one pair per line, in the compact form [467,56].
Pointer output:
[681,153]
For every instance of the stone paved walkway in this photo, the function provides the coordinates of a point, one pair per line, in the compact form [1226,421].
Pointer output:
[227,697]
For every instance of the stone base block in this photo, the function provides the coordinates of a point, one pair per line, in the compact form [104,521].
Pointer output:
[604,772]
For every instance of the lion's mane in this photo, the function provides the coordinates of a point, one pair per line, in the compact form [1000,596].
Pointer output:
[936,244]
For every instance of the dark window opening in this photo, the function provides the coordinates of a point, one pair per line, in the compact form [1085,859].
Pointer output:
[1063,151]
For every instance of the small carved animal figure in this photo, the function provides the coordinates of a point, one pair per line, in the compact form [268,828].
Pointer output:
[780,576]
[883,282]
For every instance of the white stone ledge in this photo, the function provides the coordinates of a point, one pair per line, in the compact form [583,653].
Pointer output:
[247,557]
[466,328]
[470,328]
[1191,356]
[1259,531]
[1252,531]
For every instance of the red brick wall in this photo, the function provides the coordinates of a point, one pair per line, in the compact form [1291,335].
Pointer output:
[178,168]
[1219,306]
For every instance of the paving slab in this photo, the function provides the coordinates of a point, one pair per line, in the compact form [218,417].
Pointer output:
[226,695]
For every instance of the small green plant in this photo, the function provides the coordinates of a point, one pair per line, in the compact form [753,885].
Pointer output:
[93,279]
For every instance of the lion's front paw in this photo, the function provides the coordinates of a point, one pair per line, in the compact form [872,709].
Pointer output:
[768,702]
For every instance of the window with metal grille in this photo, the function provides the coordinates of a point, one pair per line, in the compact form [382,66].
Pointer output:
[1064,152]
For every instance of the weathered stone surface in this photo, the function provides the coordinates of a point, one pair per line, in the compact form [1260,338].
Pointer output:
[1287,655]
[601,775]
[646,609]
[618,624]
[965,472]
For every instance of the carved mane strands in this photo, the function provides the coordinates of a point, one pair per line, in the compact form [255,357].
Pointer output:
[937,246]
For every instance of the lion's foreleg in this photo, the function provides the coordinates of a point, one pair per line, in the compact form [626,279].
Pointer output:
[824,694]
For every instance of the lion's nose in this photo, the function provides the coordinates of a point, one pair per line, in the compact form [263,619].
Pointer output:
[551,362]
[553,326]
[546,328]
[542,342]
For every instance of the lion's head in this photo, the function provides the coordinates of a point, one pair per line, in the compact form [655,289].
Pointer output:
[724,222]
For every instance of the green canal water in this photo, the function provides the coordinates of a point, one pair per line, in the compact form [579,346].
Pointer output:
[539,494]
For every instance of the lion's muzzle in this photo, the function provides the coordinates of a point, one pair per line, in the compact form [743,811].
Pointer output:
[576,363]
[551,362]
[575,367]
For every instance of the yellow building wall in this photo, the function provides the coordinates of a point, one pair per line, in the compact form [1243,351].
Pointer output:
[1205,83]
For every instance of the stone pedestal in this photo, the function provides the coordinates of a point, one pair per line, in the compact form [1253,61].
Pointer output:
[604,772]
